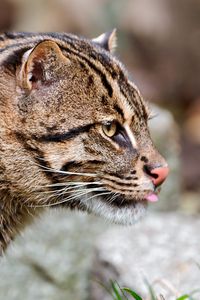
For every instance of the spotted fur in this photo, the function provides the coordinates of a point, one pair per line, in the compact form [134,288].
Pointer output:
[56,92]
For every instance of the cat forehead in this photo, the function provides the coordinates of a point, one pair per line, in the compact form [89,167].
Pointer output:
[92,74]
[121,92]
[99,92]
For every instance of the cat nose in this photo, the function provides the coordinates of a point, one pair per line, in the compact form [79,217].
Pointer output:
[158,174]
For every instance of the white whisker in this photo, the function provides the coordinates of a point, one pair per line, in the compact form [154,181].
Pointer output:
[97,195]
[113,197]
[76,194]
[71,183]
[47,169]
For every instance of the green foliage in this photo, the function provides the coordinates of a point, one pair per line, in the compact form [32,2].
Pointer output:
[184,297]
[132,293]
[122,293]
[119,293]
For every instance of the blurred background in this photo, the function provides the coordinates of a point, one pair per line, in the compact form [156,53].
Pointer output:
[159,43]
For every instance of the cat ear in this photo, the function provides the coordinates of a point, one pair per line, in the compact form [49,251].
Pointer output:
[39,65]
[107,40]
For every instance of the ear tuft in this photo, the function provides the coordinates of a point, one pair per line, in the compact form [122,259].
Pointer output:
[107,40]
[39,64]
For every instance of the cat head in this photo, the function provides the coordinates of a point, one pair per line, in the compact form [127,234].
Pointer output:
[81,133]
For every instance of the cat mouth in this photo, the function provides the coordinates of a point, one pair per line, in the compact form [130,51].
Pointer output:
[107,196]
[128,199]
[131,194]
[122,200]
[123,208]
[116,207]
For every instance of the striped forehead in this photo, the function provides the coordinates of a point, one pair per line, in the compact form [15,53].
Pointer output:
[130,102]
[125,92]
[103,64]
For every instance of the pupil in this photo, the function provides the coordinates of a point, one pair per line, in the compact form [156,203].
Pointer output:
[109,127]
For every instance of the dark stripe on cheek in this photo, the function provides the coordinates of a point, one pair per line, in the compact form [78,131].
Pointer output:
[44,166]
[88,148]
[59,137]
[122,176]
[73,164]
[38,156]
[69,165]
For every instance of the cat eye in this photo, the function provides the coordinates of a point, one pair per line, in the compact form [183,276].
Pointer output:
[117,133]
[110,129]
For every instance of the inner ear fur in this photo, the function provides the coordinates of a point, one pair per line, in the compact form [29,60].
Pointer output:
[41,64]
[107,40]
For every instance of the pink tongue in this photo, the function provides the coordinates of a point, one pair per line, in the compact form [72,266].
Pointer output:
[152,197]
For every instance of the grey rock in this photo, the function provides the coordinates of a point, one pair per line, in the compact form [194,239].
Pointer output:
[165,134]
[164,249]
[52,259]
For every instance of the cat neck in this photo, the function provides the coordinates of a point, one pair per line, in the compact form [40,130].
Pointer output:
[13,218]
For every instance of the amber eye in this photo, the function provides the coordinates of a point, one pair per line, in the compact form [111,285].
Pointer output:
[110,129]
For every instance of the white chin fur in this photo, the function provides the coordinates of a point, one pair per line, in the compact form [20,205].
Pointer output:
[125,215]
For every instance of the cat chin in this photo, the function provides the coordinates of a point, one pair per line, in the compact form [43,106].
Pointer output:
[125,215]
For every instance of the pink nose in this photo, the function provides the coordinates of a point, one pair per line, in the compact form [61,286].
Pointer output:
[159,175]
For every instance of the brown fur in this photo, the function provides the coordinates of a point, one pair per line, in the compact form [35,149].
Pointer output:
[53,102]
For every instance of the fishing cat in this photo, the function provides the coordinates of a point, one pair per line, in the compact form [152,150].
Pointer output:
[73,132]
